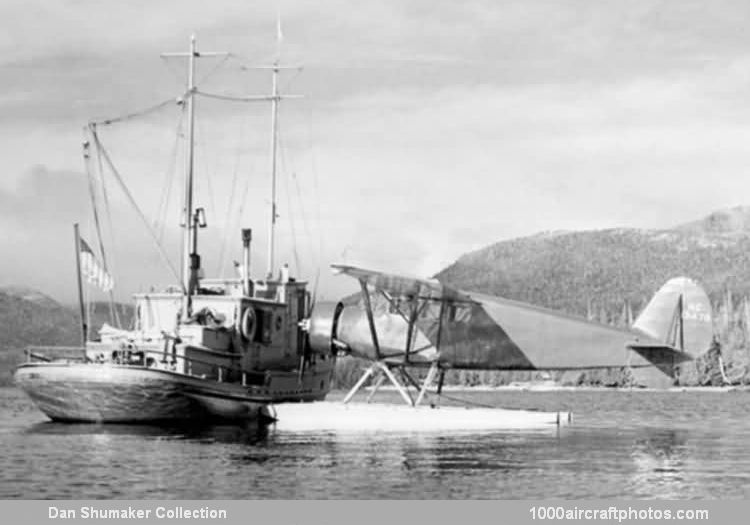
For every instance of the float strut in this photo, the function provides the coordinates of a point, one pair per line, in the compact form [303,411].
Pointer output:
[359,384]
[427,382]
[376,386]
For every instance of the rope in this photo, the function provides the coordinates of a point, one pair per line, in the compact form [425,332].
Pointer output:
[99,237]
[293,229]
[108,212]
[313,162]
[131,116]
[214,69]
[243,200]
[161,212]
[235,98]
[230,207]
[143,218]
[204,158]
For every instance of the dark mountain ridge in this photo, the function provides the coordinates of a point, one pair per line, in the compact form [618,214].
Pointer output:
[575,271]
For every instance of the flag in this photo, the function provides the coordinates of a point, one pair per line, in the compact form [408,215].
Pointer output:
[93,270]
[279,34]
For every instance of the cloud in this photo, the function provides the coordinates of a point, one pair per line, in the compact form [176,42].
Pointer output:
[428,128]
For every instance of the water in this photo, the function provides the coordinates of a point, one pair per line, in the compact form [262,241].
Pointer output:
[621,445]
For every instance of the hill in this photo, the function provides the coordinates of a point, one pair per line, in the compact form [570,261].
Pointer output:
[28,317]
[572,271]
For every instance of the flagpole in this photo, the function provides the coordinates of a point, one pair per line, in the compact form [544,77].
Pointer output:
[84,324]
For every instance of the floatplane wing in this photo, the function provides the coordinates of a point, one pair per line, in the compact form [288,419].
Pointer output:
[400,321]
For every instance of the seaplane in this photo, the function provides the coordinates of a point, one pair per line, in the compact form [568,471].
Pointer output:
[401,324]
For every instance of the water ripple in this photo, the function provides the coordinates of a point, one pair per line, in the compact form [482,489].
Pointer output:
[621,445]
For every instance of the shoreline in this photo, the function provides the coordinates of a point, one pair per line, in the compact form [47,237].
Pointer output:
[523,387]
[530,387]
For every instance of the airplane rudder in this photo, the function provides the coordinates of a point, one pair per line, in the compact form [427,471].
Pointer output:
[679,315]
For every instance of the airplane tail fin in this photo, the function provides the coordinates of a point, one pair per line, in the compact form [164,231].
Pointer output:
[679,317]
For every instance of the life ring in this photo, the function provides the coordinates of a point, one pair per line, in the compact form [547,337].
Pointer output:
[248,324]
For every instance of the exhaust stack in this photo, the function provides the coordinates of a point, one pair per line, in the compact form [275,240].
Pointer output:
[247,283]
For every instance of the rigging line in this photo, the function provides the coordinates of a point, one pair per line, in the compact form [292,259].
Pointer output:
[92,195]
[297,72]
[283,165]
[180,135]
[243,200]
[204,158]
[161,212]
[214,69]
[305,223]
[235,98]
[136,114]
[108,212]
[291,216]
[109,269]
[244,64]
[230,207]
[314,167]
[143,218]
[303,212]
[178,75]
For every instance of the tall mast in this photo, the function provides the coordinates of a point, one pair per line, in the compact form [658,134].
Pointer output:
[189,224]
[190,259]
[274,142]
[81,302]
[275,99]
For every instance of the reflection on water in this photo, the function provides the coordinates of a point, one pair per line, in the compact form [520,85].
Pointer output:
[248,433]
[621,445]
[659,458]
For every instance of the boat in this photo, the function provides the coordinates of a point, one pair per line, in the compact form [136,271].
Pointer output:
[221,348]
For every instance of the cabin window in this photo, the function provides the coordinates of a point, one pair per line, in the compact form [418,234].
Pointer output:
[265,326]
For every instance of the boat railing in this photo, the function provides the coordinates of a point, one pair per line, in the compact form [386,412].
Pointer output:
[169,360]
[144,357]
[55,353]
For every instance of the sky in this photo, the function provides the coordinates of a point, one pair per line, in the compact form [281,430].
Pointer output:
[426,128]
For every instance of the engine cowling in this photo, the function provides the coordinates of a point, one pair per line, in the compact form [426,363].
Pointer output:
[344,326]
[322,328]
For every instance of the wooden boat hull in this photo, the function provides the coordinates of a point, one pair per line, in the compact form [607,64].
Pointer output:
[110,393]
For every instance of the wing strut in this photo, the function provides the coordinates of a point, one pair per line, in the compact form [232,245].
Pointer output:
[381,368]
[370,319]
[410,330]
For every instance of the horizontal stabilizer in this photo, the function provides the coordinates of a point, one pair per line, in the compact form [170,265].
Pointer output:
[660,353]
